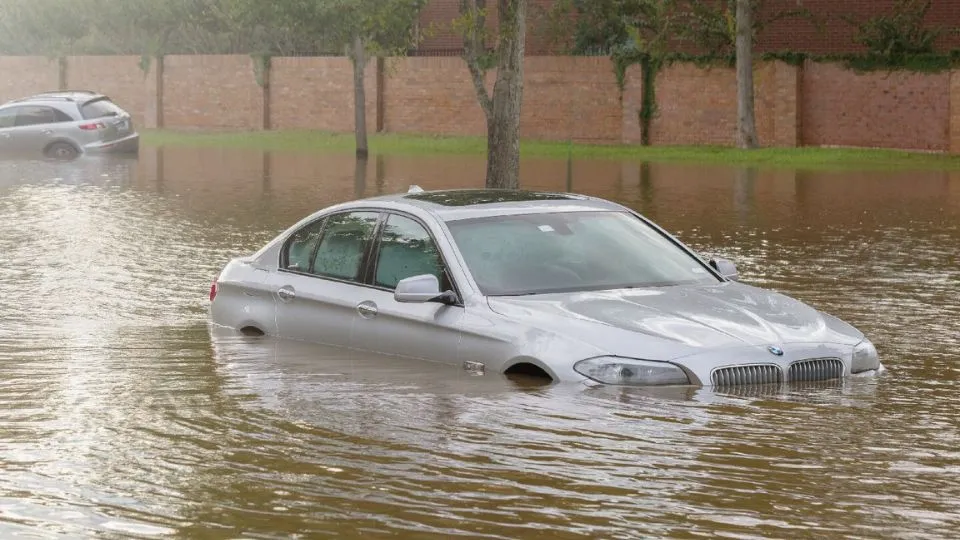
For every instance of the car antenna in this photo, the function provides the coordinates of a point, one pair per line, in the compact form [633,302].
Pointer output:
[415,189]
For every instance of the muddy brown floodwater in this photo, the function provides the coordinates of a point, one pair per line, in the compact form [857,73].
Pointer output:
[123,415]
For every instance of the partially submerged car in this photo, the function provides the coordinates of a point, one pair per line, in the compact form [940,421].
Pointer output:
[557,285]
[66,124]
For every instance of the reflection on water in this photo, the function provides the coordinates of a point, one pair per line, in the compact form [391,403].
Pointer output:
[123,413]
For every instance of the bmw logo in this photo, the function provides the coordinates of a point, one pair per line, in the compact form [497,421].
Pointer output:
[775,350]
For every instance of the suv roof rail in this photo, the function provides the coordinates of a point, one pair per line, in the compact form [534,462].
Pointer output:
[55,94]
[66,92]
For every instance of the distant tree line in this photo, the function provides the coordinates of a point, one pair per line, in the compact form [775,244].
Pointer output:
[159,27]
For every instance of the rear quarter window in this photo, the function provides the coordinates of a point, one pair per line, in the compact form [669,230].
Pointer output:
[100,108]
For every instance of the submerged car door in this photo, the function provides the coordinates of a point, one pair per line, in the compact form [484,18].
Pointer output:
[7,119]
[33,129]
[430,331]
[317,288]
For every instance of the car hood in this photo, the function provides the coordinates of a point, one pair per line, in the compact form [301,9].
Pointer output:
[678,320]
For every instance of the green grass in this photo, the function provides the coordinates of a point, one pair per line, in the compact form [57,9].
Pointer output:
[393,144]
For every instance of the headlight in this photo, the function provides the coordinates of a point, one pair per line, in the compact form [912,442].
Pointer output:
[627,371]
[865,357]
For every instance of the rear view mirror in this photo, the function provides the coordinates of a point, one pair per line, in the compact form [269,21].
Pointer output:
[422,289]
[725,268]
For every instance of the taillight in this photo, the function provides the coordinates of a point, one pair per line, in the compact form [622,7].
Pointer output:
[213,289]
[93,126]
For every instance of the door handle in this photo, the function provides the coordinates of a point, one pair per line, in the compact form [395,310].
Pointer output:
[286,293]
[367,310]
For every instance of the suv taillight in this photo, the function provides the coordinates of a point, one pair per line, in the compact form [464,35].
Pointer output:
[213,289]
[92,126]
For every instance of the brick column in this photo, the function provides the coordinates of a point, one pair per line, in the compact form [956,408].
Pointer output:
[954,143]
[153,88]
[787,105]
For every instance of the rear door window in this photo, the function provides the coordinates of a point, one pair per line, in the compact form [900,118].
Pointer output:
[299,249]
[36,115]
[344,244]
[100,108]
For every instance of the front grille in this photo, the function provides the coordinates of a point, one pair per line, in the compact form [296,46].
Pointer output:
[755,374]
[818,369]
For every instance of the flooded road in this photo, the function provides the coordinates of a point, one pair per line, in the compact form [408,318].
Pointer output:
[123,415]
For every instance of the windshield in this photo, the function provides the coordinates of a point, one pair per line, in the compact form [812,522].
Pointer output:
[571,251]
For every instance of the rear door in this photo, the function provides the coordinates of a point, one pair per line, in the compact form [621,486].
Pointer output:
[8,117]
[35,128]
[318,285]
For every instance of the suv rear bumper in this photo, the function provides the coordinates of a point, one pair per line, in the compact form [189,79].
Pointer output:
[127,145]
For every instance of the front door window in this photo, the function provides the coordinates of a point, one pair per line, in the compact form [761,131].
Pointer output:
[406,250]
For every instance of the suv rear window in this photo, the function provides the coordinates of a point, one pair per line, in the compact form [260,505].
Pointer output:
[100,108]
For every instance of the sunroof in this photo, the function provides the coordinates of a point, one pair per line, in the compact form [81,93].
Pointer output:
[470,197]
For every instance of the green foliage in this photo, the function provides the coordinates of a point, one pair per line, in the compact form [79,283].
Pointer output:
[471,24]
[144,64]
[898,35]
[712,24]
[158,27]
[261,69]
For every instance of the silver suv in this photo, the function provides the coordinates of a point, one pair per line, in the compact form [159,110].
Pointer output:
[64,125]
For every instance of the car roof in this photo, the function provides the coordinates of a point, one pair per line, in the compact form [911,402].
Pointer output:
[455,204]
[81,96]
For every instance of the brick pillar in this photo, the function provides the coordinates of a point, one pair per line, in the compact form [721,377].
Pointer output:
[787,105]
[64,70]
[630,102]
[954,146]
[266,66]
[381,81]
[153,88]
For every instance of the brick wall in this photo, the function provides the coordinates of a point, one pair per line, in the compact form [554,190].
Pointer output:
[955,112]
[119,77]
[24,75]
[431,95]
[212,92]
[307,92]
[571,98]
[564,97]
[899,109]
[699,105]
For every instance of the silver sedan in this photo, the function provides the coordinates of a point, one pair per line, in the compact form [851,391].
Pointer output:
[555,285]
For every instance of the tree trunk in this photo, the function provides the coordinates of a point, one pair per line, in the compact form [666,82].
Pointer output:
[502,108]
[503,124]
[359,177]
[359,60]
[746,121]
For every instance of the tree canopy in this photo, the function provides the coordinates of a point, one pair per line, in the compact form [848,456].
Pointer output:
[278,27]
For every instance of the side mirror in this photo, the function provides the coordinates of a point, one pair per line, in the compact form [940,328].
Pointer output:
[725,267]
[422,289]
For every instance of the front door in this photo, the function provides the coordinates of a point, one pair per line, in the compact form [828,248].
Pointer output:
[427,331]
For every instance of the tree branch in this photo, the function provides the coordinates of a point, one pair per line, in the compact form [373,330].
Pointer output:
[474,15]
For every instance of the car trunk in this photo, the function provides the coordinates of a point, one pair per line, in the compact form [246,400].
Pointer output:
[117,124]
